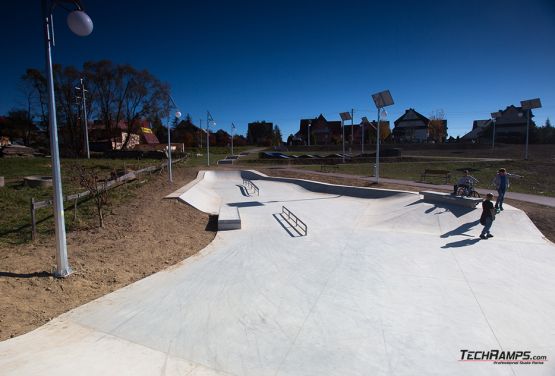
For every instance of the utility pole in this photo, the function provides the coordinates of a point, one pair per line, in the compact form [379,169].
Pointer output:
[84,118]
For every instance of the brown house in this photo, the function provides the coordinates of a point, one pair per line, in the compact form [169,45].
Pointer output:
[510,126]
[322,131]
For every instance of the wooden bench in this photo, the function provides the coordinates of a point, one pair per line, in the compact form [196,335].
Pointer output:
[329,168]
[441,173]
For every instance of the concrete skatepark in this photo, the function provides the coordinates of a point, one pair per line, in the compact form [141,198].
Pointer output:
[383,283]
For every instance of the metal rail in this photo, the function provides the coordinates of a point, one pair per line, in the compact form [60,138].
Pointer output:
[297,222]
[249,185]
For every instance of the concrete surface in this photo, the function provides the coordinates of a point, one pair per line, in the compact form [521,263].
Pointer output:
[535,199]
[383,284]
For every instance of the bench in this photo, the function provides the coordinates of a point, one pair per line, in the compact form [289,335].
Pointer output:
[329,168]
[447,198]
[229,218]
[441,173]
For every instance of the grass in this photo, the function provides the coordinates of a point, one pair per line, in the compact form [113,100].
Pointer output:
[15,197]
[199,158]
[535,179]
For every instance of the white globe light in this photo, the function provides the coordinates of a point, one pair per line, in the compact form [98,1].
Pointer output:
[384,113]
[178,114]
[80,23]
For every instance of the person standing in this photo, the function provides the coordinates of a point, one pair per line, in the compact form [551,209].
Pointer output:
[487,217]
[501,183]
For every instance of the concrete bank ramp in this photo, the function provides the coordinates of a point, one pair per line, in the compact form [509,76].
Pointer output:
[383,283]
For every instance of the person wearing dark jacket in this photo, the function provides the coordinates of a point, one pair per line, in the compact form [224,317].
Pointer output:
[487,217]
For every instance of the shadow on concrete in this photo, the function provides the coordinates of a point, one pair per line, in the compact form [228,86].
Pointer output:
[461,230]
[286,226]
[42,274]
[245,204]
[243,190]
[302,199]
[461,243]
[457,211]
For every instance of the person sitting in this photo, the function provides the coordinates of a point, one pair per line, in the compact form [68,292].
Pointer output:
[467,182]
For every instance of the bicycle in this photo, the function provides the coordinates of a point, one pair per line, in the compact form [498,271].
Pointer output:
[467,191]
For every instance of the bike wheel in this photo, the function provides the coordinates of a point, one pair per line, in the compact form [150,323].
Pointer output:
[461,191]
[475,194]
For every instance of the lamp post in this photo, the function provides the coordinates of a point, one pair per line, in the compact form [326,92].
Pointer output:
[82,89]
[529,105]
[232,129]
[309,124]
[80,23]
[381,100]
[177,116]
[344,116]
[209,120]
[494,116]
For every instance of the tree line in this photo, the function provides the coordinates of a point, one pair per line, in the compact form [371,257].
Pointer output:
[117,96]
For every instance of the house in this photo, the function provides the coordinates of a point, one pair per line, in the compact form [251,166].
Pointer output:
[479,130]
[322,131]
[510,126]
[414,127]
[121,136]
[260,133]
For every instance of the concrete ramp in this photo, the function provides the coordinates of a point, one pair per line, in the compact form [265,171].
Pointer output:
[383,283]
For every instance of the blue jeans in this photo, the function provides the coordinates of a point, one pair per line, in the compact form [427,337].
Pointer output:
[487,226]
[500,197]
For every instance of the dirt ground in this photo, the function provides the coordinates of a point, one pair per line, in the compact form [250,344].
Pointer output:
[144,236]
[542,216]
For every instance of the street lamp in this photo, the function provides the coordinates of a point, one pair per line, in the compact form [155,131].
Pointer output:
[81,24]
[344,116]
[232,129]
[529,105]
[381,100]
[209,120]
[309,124]
[494,117]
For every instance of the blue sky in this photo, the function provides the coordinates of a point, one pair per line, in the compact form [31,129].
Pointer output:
[284,60]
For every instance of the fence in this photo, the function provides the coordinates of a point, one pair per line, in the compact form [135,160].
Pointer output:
[297,222]
[250,185]
[75,197]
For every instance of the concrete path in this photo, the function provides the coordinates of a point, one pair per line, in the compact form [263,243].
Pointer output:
[382,284]
[535,199]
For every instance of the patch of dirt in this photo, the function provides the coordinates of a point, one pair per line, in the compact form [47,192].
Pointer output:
[542,216]
[141,237]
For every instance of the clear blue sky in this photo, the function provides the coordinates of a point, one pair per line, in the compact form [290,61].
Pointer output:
[284,60]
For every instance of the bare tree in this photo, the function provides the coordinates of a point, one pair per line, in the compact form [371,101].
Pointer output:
[98,188]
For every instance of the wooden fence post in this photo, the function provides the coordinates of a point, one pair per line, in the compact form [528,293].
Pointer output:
[75,209]
[33,220]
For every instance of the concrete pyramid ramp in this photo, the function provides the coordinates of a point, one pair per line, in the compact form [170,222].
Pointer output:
[383,284]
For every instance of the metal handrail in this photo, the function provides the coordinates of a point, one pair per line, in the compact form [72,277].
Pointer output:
[250,185]
[298,223]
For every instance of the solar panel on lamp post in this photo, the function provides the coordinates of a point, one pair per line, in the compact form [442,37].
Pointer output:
[529,105]
[81,24]
[381,100]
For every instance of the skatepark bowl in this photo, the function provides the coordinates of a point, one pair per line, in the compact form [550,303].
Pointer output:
[382,283]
